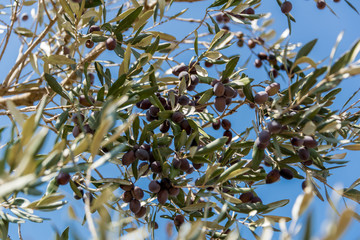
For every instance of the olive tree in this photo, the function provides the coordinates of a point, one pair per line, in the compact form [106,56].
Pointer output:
[97,85]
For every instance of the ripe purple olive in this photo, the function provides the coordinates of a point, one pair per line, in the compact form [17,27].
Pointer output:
[186,126]
[135,206]
[176,162]
[154,111]
[310,142]
[256,200]
[128,158]
[145,104]
[262,56]
[240,43]
[127,187]
[228,134]
[156,167]
[110,43]
[76,131]
[216,125]
[286,173]
[208,64]
[180,68]
[83,101]
[184,164]
[178,220]
[127,197]
[220,104]
[219,18]
[173,191]
[219,89]
[94,28]
[229,92]
[273,73]
[246,197]
[272,176]
[142,154]
[25,17]
[184,74]
[286,7]
[62,178]
[264,136]
[141,213]
[226,124]
[320,4]
[303,153]
[149,117]
[89,43]
[183,100]
[165,126]
[249,11]
[251,43]
[165,183]
[163,196]
[177,117]
[190,170]
[194,79]
[138,193]
[154,186]
[274,127]
[258,63]
[297,142]
[261,97]
[88,129]
[261,145]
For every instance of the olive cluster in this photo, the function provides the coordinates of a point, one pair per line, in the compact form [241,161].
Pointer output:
[303,145]
[184,165]
[80,126]
[226,125]
[133,195]
[263,96]
[183,71]
[249,197]
[110,42]
[164,189]
[223,94]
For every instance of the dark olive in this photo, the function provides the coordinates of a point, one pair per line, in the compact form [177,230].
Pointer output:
[62,178]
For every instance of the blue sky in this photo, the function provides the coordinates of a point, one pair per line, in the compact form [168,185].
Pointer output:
[310,23]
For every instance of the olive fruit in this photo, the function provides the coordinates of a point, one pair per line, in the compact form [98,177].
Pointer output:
[177,117]
[216,125]
[219,18]
[127,196]
[261,145]
[256,200]
[190,170]
[180,68]
[310,142]
[135,206]
[197,165]
[154,111]
[165,183]
[173,191]
[228,134]
[127,187]
[25,17]
[176,162]
[258,63]
[83,101]
[226,124]
[141,213]
[272,176]
[145,104]
[297,142]
[183,100]
[184,164]
[128,158]
[94,28]
[249,11]
[274,127]
[320,4]
[286,173]
[307,163]
[142,154]
[264,136]
[240,43]
[178,220]
[272,89]
[110,43]
[220,103]
[76,131]
[261,97]
[229,92]
[89,43]
[62,178]
[246,197]
[208,64]
[303,153]
[154,186]
[138,193]
[273,73]
[286,7]
[163,196]
[156,167]
[186,126]
[251,43]
[219,89]
[262,56]
[194,79]
[184,74]
[165,126]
